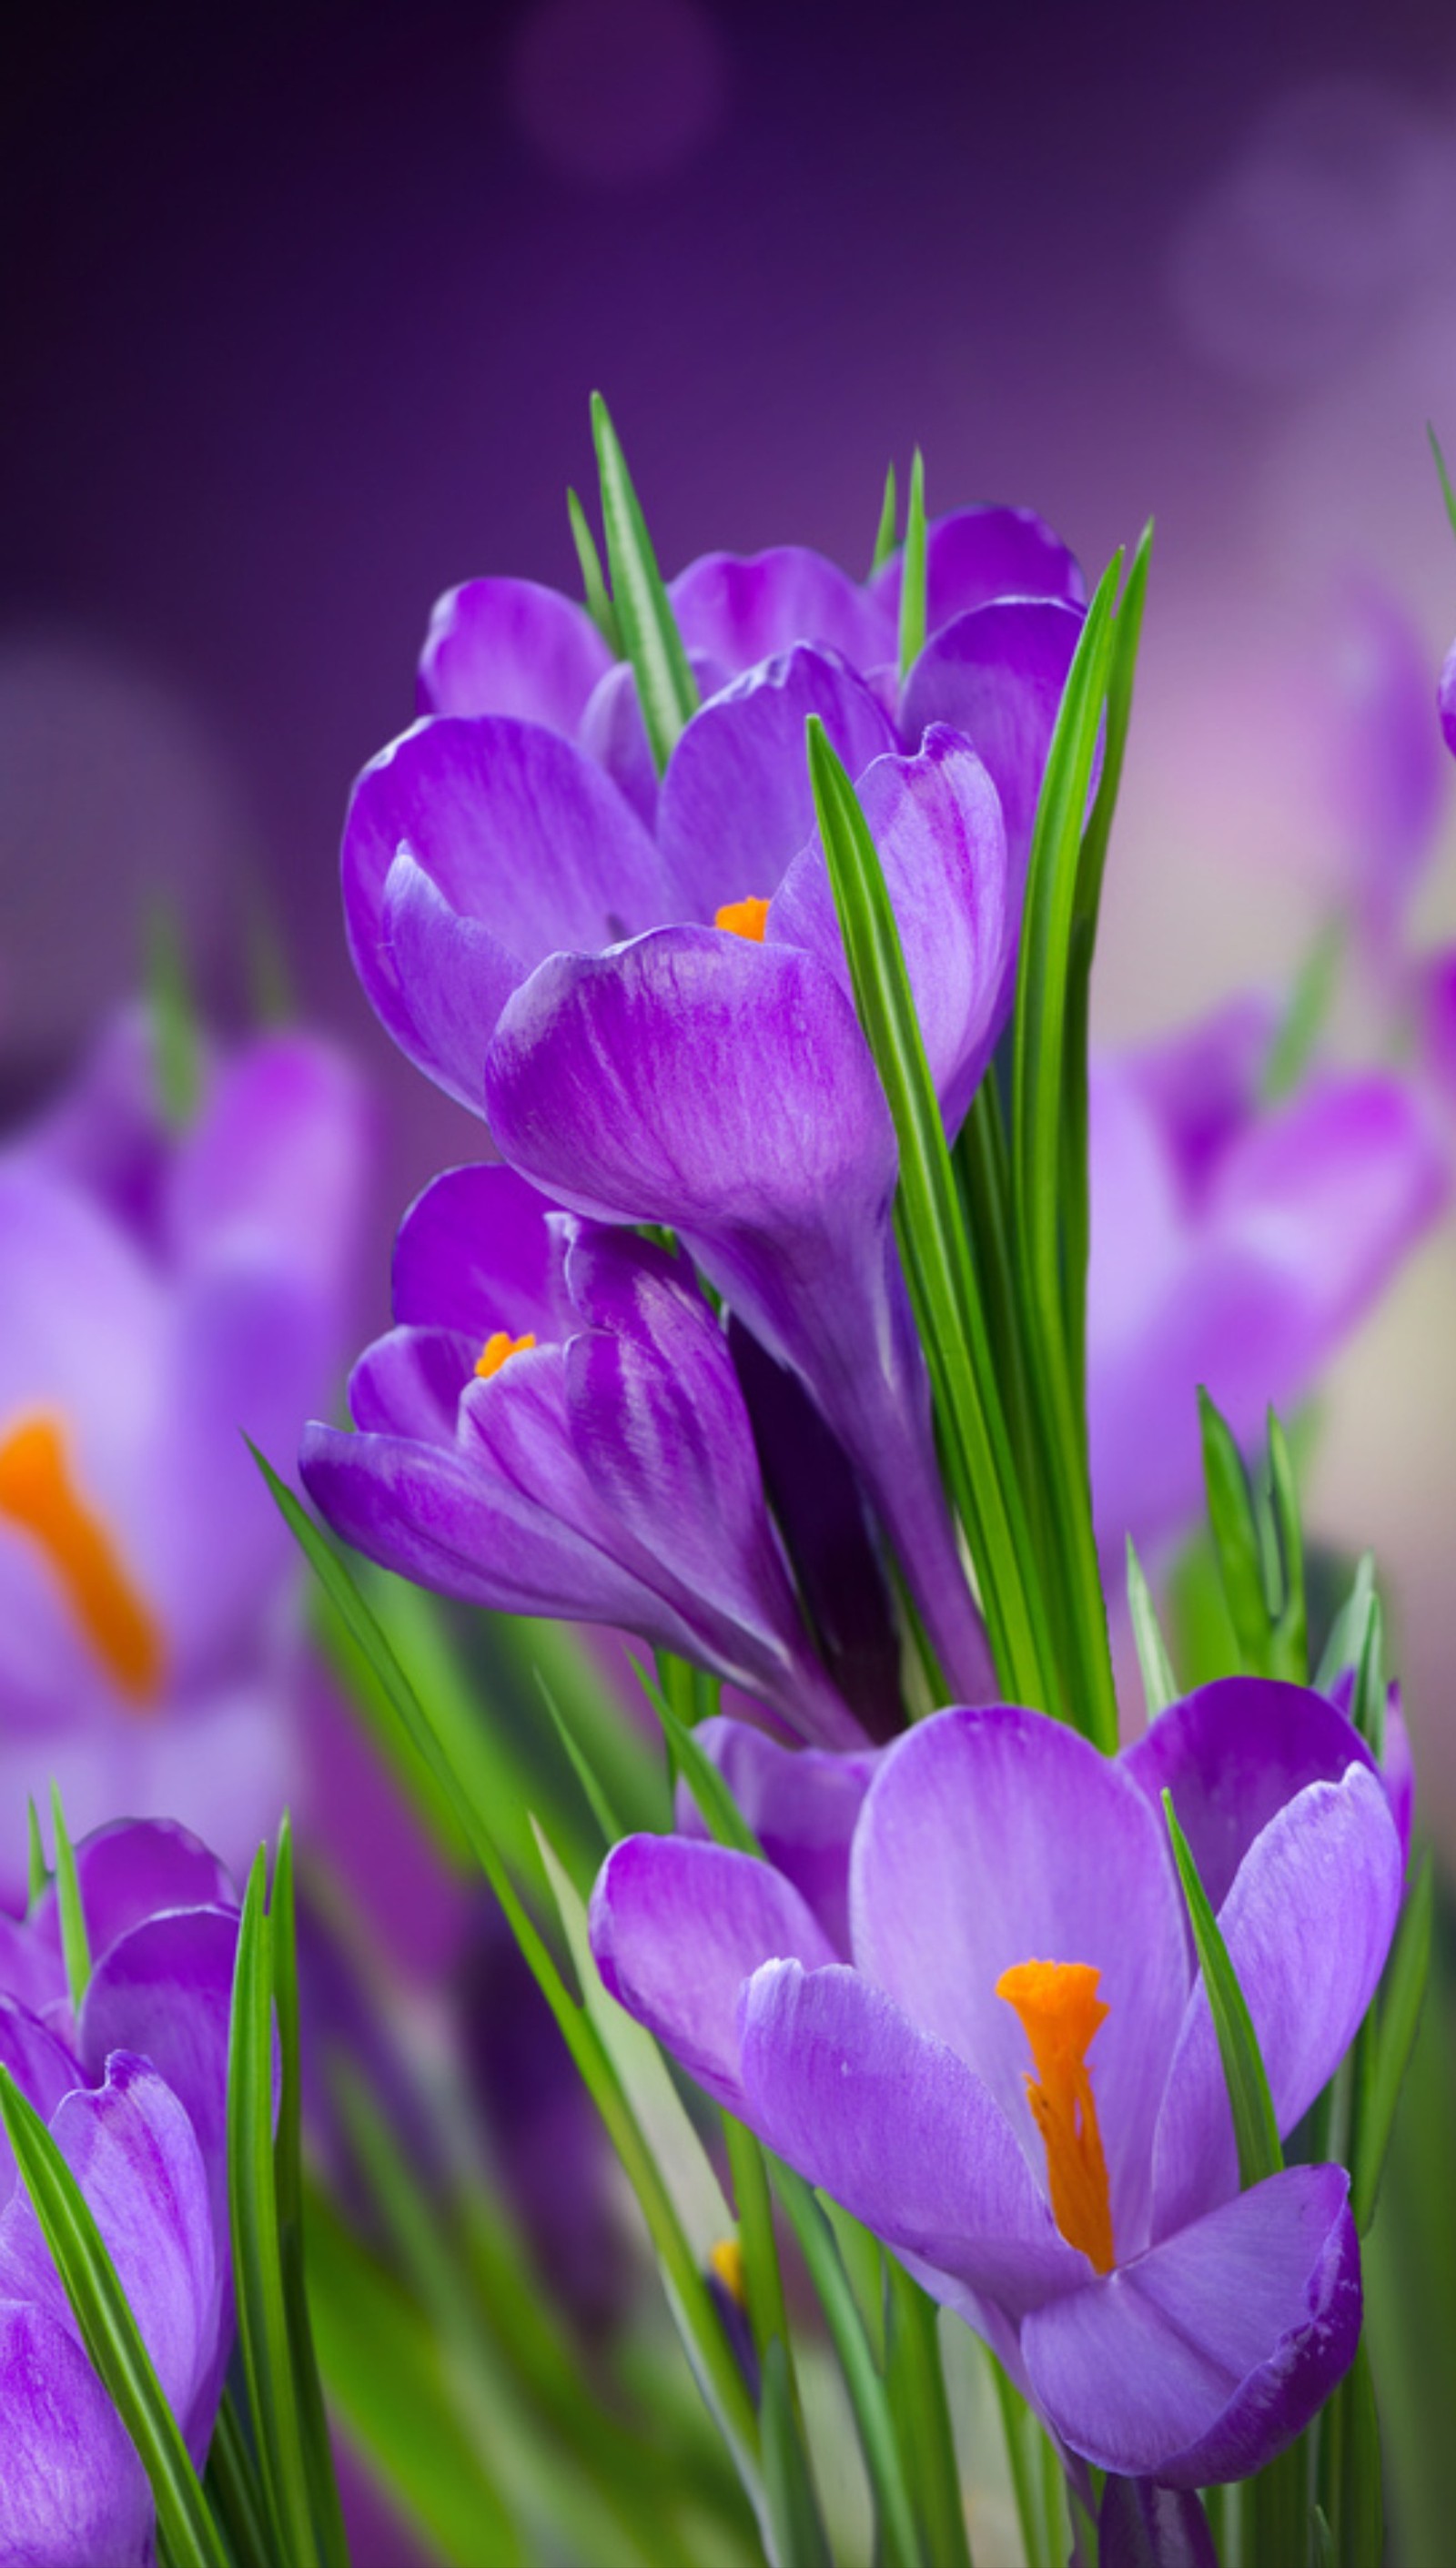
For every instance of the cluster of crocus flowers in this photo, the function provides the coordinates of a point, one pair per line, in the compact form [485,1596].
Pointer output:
[168,1288]
[133,2086]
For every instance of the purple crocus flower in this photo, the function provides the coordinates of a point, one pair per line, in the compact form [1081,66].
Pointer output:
[133,2090]
[555,1426]
[1233,1245]
[1011,2072]
[163,1292]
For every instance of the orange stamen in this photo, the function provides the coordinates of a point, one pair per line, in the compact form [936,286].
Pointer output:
[1061,2011]
[726,2262]
[743,918]
[38,1494]
[498,1350]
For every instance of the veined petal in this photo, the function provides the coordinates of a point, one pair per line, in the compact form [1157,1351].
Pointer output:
[475,1253]
[1231,1754]
[614,733]
[164,1990]
[935,822]
[452,977]
[977,554]
[997,676]
[518,832]
[1208,2355]
[802,1804]
[73,2493]
[510,646]
[999,1837]
[1307,1925]
[409,1382]
[737,804]
[742,609]
[43,2066]
[894,2124]
[677,1927]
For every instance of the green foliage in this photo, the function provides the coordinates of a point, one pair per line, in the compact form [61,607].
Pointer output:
[1159,1684]
[176,1033]
[75,1941]
[1256,2131]
[666,686]
[598,604]
[913,571]
[885,532]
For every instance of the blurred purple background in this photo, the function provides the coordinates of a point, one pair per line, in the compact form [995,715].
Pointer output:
[301,312]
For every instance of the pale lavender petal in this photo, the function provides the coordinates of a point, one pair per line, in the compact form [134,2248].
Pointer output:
[1307,1925]
[736,804]
[1231,1754]
[474,1254]
[452,976]
[509,646]
[677,1927]
[892,2122]
[742,609]
[276,1169]
[1208,2355]
[518,832]
[73,2493]
[164,1991]
[132,2147]
[999,1837]
[977,554]
[997,675]
[1201,1084]
[935,821]
[801,1804]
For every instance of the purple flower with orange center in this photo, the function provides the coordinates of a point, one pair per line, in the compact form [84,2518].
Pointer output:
[998,2053]
[165,1292]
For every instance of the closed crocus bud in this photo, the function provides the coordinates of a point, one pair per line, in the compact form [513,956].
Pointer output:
[132,2086]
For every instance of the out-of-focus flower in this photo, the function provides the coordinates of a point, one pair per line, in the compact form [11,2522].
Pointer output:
[163,1293]
[555,1426]
[1231,1246]
[1013,1909]
[133,2090]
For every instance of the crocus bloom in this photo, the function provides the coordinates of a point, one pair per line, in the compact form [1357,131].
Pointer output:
[1233,1246]
[133,2090]
[162,1293]
[1012,2076]
[555,1426]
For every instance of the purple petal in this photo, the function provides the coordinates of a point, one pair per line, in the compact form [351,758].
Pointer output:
[676,1928]
[453,977]
[410,1383]
[724,1088]
[1231,1754]
[474,1254]
[164,1991]
[73,2493]
[1201,1084]
[935,821]
[894,2124]
[520,835]
[1307,1925]
[276,1171]
[977,554]
[509,646]
[744,610]
[997,675]
[44,2068]
[802,1804]
[130,1871]
[999,1837]
[1208,2355]
[1142,2525]
[104,1135]
[133,2150]
[1446,699]
[736,804]
[615,734]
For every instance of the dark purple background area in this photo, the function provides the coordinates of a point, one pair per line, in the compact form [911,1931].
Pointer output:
[299,328]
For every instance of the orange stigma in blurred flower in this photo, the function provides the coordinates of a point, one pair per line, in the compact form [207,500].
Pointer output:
[743,918]
[38,1494]
[498,1350]
[1061,2011]
[726,2262]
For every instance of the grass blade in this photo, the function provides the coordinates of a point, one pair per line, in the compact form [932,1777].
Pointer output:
[1159,1684]
[598,604]
[176,1036]
[75,1941]
[885,532]
[1392,2040]
[799,2538]
[665,687]
[111,2335]
[288,2182]
[1236,1540]
[918,2402]
[913,572]
[1447,493]
[1256,2131]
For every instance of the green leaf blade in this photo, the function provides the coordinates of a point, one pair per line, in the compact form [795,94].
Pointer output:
[913,572]
[666,686]
[885,532]
[1256,2131]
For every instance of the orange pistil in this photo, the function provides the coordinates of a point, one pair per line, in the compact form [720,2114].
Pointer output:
[1061,2011]
[498,1350]
[38,1494]
[743,918]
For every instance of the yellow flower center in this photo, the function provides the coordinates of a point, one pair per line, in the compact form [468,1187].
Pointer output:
[499,1349]
[1061,2012]
[726,2262]
[38,1492]
[743,918]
